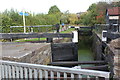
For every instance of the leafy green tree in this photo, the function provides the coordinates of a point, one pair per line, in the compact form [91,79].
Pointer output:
[95,14]
[92,7]
[53,10]
[53,15]
[65,17]
[89,18]
[73,18]
[6,22]
[115,4]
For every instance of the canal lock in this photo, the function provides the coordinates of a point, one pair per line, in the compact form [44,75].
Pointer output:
[84,53]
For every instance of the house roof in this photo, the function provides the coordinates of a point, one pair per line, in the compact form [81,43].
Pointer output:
[114,11]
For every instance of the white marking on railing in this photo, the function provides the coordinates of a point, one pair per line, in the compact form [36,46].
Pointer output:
[40,74]
[26,73]
[17,72]
[9,68]
[6,71]
[96,78]
[58,75]
[46,74]
[52,74]
[13,72]
[88,77]
[3,74]
[21,72]
[0,71]
[35,73]
[79,76]
[72,75]
[30,73]
[65,75]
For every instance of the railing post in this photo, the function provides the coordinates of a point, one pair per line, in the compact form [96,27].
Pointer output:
[49,40]
[75,36]
[17,72]
[0,71]
[65,75]
[3,71]
[46,75]
[30,73]
[58,75]
[79,76]
[13,72]
[52,75]
[104,37]
[26,73]
[10,72]
[40,74]
[97,78]
[21,72]
[6,71]
[88,77]
[72,76]
[35,74]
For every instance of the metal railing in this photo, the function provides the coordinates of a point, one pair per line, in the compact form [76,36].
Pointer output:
[100,27]
[17,70]
[40,28]
[110,28]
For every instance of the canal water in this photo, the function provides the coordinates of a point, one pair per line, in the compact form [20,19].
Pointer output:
[85,50]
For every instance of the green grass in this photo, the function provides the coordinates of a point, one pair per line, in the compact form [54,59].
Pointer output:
[38,39]
[27,40]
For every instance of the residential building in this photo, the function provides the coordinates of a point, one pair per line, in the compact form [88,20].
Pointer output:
[113,18]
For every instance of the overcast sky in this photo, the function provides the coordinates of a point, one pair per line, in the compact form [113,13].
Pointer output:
[42,6]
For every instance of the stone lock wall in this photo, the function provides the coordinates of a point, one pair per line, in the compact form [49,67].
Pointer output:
[39,56]
[113,57]
[97,47]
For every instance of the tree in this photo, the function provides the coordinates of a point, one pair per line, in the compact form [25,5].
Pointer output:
[53,10]
[115,4]
[6,22]
[65,17]
[95,14]
[92,7]
[73,18]
[89,18]
[53,15]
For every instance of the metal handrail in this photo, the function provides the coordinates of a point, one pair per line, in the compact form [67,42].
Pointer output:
[16,69]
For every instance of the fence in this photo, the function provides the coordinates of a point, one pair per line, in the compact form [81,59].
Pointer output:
[40,28]
[100,27]
[25,70]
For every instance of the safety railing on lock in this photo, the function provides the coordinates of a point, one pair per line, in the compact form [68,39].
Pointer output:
[17,70]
